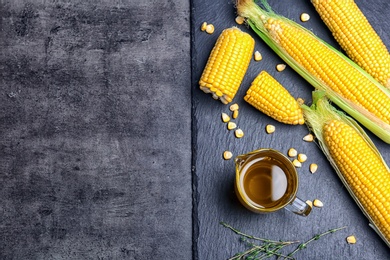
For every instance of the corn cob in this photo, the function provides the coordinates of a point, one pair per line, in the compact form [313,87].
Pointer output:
[356,160]
[270,97]
[227,64]
[356,36]
[346,84]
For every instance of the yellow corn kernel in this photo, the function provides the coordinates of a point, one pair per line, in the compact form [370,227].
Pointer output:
[310,203]
[258,56]
[356,160]
[239,133]
[210,29]
[270,97]
[240,20]
[231,125]
[227,155]
[292,152]
[302,157]
[324,67]
[235,114]
[280,67]
[225,118]
[313,167]
[351,240]
[270,129]
[305,17]
[317,203]
[234,107]
[308,138]
[227,64]
[203,26]
[297,163]
[300,101]
[353,32]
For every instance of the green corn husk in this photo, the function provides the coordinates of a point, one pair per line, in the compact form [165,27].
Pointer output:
[316,117]
[256,18]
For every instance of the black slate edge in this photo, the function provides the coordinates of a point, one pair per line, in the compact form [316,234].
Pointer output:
[195,193]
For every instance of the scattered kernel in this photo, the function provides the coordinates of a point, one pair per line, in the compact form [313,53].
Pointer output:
[210,29]
[351,240]
[225,118]
[310,203]
[234,107]
[317,203]
[305,17]
[308,138]
[203,26]
[231,125]
[302,157]
[240,20]
[313,167]
[239,133]
[292,152]
[300,101]
[235,114]
[270,129]
[297,163]
[280,67]
[258,56]
[227,155]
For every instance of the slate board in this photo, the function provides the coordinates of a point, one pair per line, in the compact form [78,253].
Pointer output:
[214,198]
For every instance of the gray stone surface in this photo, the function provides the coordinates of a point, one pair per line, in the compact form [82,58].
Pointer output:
[95,140]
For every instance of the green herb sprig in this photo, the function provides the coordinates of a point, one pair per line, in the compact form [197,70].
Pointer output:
[270,248]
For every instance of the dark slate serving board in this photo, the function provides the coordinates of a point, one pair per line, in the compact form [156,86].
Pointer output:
[214,198]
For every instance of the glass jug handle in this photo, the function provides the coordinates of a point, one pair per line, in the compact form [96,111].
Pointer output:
[299,207]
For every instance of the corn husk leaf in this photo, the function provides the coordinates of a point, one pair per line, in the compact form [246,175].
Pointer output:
[316,116]
[253,13]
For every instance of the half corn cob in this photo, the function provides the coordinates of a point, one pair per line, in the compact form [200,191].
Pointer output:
[356,36]
[227,64]
[355,159]
[346,84]
[270,97]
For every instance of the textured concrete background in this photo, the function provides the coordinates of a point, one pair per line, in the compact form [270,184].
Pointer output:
[95,147]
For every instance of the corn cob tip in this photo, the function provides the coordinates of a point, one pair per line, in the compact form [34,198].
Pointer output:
[268,96]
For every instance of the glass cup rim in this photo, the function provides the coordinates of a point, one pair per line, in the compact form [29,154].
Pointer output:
[289,165]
